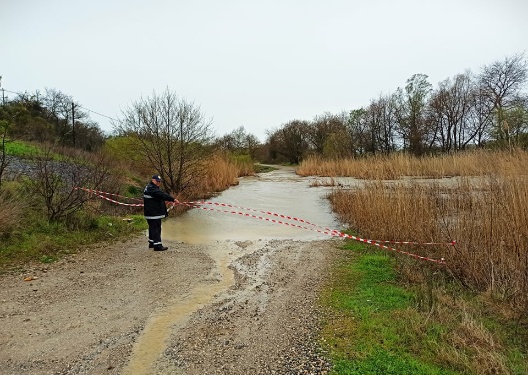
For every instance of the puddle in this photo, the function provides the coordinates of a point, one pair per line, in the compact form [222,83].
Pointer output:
[152,342]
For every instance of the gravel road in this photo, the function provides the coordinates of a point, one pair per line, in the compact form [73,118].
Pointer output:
[227,308]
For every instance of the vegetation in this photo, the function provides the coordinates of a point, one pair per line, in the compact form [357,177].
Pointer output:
[484,110]
[59,216]
[392,313]
[377,322]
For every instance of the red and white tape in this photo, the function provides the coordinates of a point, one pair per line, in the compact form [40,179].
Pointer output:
[313,227]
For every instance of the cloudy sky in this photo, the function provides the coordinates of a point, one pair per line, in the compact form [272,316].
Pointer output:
[257,64]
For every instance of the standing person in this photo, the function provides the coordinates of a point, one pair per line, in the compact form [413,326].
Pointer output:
[155,209]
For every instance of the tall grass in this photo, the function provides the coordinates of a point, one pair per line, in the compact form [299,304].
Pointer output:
[220,172]
[488,217]
[394,166]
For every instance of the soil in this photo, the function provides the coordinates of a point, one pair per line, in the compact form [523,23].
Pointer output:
[226,308]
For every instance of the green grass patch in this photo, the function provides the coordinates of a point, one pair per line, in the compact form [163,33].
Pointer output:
[22,149]
[48,242]
[378,323]
[370,329]
[261,168]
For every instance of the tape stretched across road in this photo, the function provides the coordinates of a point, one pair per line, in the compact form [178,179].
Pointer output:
[208,206]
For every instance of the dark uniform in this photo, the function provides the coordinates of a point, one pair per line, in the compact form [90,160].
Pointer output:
[154,210]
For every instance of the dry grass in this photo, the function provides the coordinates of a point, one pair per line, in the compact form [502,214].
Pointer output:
[11,211]
[394,166]
[220,173]
[489,221]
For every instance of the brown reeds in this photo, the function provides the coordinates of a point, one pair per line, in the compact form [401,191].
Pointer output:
[487,216]
[394,166]
[11,211]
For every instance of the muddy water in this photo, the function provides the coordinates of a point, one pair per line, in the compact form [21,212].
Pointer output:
[227,236]
[280,192]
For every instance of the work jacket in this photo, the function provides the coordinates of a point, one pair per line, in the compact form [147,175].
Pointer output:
[154,202]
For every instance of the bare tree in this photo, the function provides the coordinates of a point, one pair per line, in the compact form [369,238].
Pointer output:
[239,141]
[501,84]
[450,112]
[322,127]
[173,135]
[381,121]
[55,182]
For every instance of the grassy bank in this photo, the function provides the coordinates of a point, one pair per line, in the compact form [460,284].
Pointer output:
[378,322]
[47,242]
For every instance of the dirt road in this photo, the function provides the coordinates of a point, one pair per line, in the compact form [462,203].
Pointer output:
[226,308]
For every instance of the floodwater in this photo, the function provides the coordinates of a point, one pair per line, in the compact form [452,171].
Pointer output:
[252,211]
[280,192]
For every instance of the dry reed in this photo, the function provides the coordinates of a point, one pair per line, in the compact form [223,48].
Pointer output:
[488,217]
[394,166]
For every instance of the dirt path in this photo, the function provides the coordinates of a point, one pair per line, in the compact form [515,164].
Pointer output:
[228,308]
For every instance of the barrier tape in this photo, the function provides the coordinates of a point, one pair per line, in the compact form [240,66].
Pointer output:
[322,230]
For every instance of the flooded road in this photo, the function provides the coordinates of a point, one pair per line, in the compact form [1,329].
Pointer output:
[281,192]
[244,220]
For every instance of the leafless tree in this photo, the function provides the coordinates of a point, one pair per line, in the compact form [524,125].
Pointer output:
[381,121]
[321,128]
[239,141]
[450,107]
[501,84]
[56,182]
[172,134]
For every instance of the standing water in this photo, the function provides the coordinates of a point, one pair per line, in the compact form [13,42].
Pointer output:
[280,192]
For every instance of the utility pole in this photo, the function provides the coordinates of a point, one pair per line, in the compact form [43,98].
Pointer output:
[73,123]
[3,96]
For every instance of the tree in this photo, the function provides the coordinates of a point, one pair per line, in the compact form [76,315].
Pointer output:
[240,142]
[501,83]
[357,125]
[323,127]
[56,179]
[381,121]
[172,134]
[450,111]
[410,112]
[290,141]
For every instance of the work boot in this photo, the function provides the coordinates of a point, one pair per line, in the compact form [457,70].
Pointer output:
[160,248]
[151,245]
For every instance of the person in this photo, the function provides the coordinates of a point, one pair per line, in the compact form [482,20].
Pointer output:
[154,210]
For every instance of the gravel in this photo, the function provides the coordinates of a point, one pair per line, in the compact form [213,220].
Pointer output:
[92,313]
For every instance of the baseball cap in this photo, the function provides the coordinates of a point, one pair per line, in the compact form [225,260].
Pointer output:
[156,177]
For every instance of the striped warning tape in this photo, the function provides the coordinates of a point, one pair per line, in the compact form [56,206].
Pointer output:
[313,227]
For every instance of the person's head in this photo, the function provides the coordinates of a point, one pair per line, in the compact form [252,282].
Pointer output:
[156,180]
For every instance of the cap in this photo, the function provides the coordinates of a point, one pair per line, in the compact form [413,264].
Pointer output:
[156,177]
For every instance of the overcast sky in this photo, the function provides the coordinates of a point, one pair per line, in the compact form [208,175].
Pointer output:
[257,64]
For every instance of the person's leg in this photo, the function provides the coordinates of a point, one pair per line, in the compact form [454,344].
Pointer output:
[156,235]
[151,232]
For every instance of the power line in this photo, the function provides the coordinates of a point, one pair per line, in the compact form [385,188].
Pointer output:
[80,106]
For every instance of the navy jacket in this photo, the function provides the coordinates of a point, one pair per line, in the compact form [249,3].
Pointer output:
[154,202]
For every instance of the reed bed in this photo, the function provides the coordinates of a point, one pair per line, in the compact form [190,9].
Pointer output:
[488,217]
[394,166]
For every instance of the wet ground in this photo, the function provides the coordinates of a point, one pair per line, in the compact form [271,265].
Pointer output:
[234,294]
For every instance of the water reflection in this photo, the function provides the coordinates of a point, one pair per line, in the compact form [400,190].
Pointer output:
[280,192]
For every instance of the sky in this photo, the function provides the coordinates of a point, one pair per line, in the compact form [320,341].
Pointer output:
[256,64]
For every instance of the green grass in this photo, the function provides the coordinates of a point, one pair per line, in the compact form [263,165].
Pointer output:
[48,242]
[260,168]
[371,329]
[378,323]
[21,149]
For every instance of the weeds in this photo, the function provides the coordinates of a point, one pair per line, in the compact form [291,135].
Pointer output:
[377,322]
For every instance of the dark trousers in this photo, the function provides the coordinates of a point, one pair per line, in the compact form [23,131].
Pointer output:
[154,232]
